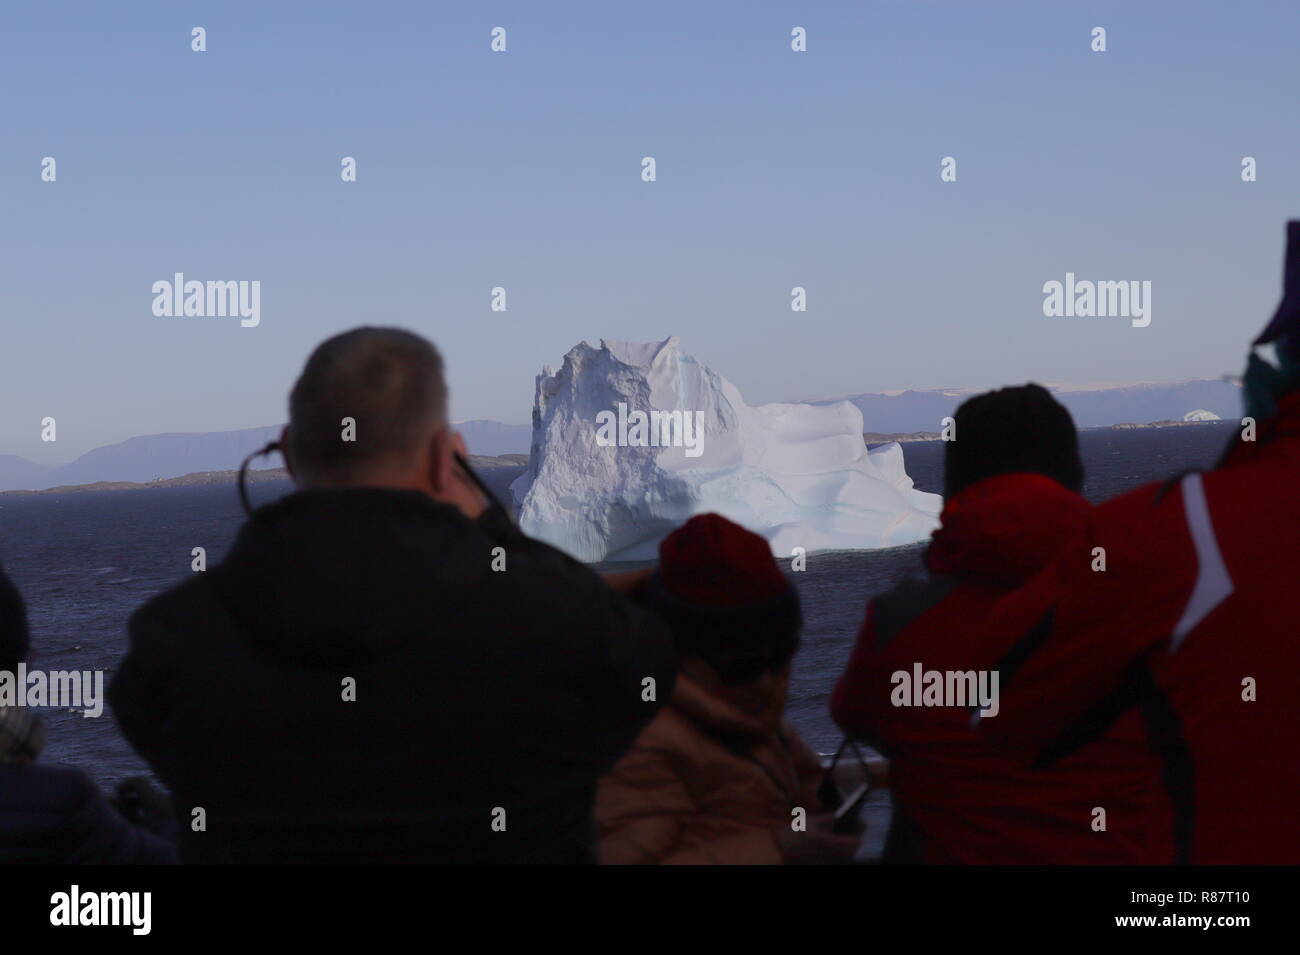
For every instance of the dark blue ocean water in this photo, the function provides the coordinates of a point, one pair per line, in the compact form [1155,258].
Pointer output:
[85,560]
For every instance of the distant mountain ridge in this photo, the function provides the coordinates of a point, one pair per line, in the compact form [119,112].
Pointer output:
[914,411]
[142,459]
[486,464]
[154,457]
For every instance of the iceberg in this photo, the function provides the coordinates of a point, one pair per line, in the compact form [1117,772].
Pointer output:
[630,440]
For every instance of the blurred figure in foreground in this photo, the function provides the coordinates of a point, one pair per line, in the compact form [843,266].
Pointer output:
[716,775]
[384,669]
[1194,616]
[55,815]
[1012,480]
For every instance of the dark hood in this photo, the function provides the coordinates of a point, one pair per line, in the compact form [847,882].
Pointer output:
[333,577]
[1284,327]
[1001,531]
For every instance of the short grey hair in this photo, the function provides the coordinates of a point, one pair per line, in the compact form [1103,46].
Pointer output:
[389,380]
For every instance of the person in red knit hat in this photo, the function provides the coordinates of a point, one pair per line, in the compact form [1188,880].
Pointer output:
[718,774]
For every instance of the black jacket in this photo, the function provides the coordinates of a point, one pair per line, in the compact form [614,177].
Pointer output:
[54,815]
[476,690]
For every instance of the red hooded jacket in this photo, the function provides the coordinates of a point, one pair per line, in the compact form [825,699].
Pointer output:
[1198,607]
[965,801]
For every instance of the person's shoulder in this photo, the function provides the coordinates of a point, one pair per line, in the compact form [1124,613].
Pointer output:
[179,602]
[672,741]
[1138,562]
[1144,497]
[1151,503]
[919,589]
[50,791]
[58,815]
[43,808]
[529,577]
[1146,523]
[905,602]
[168,625]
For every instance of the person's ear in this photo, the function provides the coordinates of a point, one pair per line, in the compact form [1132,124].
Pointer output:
[284,449]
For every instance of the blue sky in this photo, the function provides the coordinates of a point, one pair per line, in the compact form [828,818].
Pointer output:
[522,170]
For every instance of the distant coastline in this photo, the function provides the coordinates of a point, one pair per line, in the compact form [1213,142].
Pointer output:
[202,478]
[489,462]
[1129,426]
[904,416]
[874,437]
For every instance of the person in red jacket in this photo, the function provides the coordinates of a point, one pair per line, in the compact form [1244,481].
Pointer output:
[1012,479]
[1193,614]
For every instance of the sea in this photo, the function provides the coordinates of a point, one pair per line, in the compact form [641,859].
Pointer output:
[85,560]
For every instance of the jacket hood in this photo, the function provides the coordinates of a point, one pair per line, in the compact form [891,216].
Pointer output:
[999,532]
[1285,324]
[1276,434]
[333,577]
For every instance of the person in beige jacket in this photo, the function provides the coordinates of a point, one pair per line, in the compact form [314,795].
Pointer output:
[719,776]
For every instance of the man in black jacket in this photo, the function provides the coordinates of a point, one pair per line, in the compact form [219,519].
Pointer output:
[384,669]
[54,815]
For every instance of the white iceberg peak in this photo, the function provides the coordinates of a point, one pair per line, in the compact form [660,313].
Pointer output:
[639,355]
[630,440]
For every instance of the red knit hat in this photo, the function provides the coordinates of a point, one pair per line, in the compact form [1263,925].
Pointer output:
[711,561]
[724,598]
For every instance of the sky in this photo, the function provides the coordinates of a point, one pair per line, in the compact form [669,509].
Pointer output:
[523,170]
